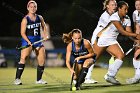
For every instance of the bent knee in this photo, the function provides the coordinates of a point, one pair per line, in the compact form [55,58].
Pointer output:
[121,56]
[88,63]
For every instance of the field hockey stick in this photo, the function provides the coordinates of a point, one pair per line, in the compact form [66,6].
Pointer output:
[74,67]
[130,50]
[23,47]
[134,45]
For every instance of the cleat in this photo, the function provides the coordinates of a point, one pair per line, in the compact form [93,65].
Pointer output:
[78,88]
[132,81]
[41,82]
[111,80]
[90,81]
[17,82]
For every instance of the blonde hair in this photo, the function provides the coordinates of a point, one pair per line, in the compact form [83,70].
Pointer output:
[105,3]
[31,1]
[67,37]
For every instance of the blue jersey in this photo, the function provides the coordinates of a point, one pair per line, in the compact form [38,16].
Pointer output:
[33,31]
[81,52]
[33,27]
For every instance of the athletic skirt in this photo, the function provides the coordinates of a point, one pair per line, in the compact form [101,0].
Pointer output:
[106,41]
[32,40]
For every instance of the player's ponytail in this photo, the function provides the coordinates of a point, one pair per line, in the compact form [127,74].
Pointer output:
[67,37]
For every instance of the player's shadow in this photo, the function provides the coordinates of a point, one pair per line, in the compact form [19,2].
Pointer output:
[52,88]
[112,91]
[92,86]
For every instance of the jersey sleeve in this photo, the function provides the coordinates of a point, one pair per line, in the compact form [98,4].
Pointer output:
[104,20]
[134,16]
[128,22]
[114,17]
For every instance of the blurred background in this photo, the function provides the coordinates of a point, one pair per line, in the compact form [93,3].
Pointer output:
[62,16]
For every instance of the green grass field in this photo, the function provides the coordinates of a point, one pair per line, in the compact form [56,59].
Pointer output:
[59,81]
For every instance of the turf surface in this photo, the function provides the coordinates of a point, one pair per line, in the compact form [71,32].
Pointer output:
[59,81]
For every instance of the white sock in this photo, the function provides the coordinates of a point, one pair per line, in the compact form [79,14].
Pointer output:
[88,76]
[136,64]
[114,67]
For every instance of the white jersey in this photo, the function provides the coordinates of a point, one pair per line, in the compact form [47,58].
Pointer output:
[102,23]
[136,17]
[108,36]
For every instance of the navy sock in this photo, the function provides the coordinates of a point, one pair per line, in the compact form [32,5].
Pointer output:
[82,76]
[40,70]
[20,69]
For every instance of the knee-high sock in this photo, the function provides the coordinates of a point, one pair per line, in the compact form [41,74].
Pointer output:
[82,76]
[88,76]
[20,69]
[136,64]
[114,67]
[40,70]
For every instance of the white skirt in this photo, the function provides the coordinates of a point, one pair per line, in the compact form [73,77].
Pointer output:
[94,34]
[105,41]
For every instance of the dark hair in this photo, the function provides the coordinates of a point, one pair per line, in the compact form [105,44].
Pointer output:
[67,37]
[121,3]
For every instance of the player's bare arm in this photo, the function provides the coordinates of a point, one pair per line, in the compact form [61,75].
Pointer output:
[68,54]
[45,28]
[23,30]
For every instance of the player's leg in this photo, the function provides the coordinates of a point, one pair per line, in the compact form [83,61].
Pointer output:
[20,67]
[41,57]
[87,63]
[114,66]
[136,64]
[98,50]
[88,78]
